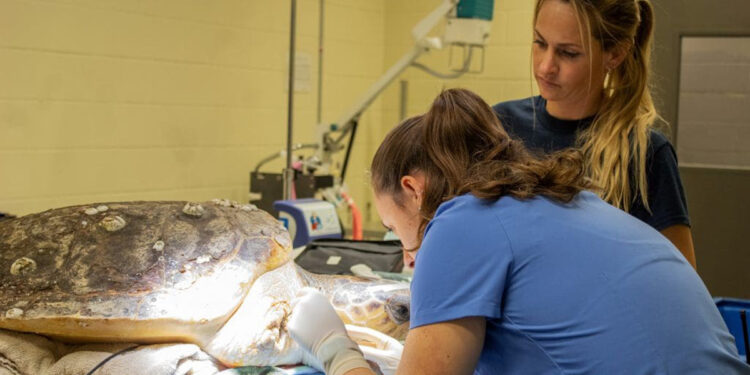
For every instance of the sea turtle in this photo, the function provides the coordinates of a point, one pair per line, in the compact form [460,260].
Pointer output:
[217,274]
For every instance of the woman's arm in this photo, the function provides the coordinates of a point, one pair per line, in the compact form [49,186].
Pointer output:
[443,348]
[451,347]
[682,238]
[360,371]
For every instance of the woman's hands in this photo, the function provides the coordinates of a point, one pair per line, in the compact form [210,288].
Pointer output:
[451,347]
[316,327]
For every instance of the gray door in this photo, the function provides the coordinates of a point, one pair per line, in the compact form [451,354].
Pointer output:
[706,99]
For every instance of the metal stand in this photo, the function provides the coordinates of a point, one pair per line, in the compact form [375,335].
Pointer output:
[289,172]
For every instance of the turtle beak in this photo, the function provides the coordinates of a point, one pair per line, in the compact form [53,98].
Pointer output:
[398,307]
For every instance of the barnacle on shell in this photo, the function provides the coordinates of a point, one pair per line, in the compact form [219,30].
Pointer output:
[113,223]
[95,210]
[23,266]
[224,202]
[248,207]
[193,209]
[158,245]
[14,313]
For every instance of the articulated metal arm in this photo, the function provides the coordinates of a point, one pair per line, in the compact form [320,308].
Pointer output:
[327,144]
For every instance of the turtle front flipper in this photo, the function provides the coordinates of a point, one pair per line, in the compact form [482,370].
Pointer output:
[256,334]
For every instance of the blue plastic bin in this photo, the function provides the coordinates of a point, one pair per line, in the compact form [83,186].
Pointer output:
[730,310]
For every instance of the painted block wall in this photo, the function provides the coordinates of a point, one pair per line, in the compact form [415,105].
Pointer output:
[108,100]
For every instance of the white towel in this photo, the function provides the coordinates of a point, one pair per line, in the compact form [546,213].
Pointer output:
[29,354]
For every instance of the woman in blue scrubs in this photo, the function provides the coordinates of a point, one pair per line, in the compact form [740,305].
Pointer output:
[520,268]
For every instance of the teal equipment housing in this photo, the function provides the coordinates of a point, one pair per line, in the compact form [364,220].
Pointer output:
[478,9]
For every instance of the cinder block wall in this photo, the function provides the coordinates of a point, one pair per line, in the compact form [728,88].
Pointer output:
[174,99]
[107,100]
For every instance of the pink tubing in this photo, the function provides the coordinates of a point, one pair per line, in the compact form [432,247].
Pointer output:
[356,217]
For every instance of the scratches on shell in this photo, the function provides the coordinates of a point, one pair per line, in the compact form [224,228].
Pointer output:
[18,235]
[78,278]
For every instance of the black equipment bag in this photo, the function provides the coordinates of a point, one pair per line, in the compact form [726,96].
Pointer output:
[335,257]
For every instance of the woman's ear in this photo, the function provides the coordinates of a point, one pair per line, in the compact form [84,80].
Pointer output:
[616,55]
[413,188]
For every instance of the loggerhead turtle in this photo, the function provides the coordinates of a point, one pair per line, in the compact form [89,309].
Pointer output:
[216,274]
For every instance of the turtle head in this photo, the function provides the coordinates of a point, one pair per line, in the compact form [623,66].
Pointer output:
[378,304]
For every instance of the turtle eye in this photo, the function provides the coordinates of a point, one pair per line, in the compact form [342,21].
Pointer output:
[398,309]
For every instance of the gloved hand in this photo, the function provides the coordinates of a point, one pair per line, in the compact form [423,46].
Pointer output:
[316,327]
[379,348]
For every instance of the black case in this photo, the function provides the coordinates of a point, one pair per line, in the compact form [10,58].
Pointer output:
[383,256]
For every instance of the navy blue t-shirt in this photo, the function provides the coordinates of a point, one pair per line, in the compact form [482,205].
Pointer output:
[568,288]
[666,196]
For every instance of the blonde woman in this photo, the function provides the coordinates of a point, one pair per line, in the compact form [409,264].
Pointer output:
[591,64]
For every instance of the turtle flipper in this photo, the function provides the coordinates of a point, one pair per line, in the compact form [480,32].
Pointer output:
[256,334]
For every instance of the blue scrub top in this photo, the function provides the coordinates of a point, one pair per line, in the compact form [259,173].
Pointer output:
[568,288]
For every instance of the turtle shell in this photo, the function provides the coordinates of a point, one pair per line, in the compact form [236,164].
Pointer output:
[134,271]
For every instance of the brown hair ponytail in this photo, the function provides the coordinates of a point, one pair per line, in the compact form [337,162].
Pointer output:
[461,148]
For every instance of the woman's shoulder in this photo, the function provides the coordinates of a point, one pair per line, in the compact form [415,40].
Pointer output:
[659,146]
[468,208]
[459,205]
[515,107]
[657,139]
[517,116]
[463,210]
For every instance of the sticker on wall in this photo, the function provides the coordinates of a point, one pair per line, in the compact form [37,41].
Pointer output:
[302,72]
